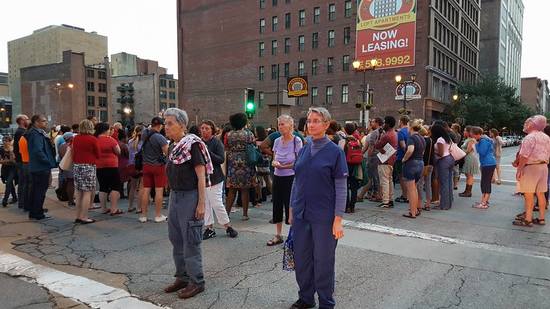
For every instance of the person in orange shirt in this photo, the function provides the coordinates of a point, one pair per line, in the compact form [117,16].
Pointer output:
[26,181]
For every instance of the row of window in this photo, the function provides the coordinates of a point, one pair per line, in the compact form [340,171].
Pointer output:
[103,115]
[301,69]
[101,100]
[471,10]
[448,10]
[164,95]
[466,75]
[100,74]
[171,83]
[302,17]
[468,55]
[331,42]
[163,105]
[445,35]
[469,32]
[90,86]
[314,96]
[444,62]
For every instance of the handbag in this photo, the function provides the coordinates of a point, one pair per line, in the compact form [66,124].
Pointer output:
[288,253]
[66,163]
[426,169]
[253,155]
[456,152]
[138,158]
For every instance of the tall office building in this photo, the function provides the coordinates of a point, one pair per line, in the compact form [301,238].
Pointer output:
[225,47]
[46,46]
[501,40]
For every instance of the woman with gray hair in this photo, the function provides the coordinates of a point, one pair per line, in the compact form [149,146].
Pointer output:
[285,152]
[318,201]
[188,170]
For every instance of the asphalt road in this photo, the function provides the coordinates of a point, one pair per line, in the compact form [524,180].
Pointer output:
[463,258]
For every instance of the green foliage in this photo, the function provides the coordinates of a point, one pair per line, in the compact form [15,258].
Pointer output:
[489,103]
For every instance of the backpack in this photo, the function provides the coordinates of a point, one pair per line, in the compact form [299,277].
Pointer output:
[354,151]
[138,158]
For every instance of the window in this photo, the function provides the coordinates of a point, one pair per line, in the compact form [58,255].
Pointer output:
[345,94]
[347,8]
[261,73]
[261,49]
[163,83]
[347,35]
[102,101]
[102,87]
[314,65]
[301,42]
[274,71]
[330,64]
[163,106]
[274,23]
[91,113]
[314,95]
[172,105]
[172,84]
[287,21]
[331,37]
[90,73]
[91,100]
[328,94]
[103,116]
[302,18]
[262,25]
[274,47]
[345,63]
[287,1]
[301,68]
[101,74]
[90,86]
[287,69]
[287,45]
[316,15]
[262,4]
[274,2]
[163,94]
[332,11]
[315,40]
[172,95]
[261,98]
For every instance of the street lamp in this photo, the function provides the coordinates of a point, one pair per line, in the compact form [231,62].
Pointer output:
[127,110]
[455,97]
[399,81]
[366,103]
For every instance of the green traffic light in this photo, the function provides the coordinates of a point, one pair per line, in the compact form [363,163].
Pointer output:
[250,106]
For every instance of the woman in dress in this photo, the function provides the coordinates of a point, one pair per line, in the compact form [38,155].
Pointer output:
[241,176]
[471,161]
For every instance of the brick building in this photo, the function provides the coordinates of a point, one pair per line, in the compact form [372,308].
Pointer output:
[67,92]
[535,94]
[225,47]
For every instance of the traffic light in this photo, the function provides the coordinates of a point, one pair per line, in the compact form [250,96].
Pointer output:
[249,103]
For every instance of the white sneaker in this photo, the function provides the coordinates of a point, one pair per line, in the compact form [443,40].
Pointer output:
[160,219]
[142,219]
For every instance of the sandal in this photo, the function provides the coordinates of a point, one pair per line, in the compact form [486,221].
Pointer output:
[117,212]
[409,215]
[523,222]
[538,221]
[88,221]
[480,206]
[95,207]
[426,208]
[131,209]
[106,211]
[418,212]
[521,215]
[139,211]
[275,241]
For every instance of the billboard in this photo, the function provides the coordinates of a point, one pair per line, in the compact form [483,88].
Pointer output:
[386,31]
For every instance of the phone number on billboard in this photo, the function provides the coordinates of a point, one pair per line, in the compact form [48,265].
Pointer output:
[393,61]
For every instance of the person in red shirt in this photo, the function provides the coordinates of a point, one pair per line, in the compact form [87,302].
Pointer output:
[85,150]
[385,169]
[108,174]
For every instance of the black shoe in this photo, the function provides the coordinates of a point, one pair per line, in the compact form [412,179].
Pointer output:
[45,210]
[13,201]
[231,232]
[4,204]
[208,233]
[391,204]
[40,218]
[301,305]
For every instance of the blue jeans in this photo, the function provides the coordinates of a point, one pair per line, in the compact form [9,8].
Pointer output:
[40,183]
[10,185]
[445,167]
[24,186]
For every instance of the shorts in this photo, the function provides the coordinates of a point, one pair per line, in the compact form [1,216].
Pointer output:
[132,172]
[534,179]
[154,176]
[109,179]
[84,177]
[412,170]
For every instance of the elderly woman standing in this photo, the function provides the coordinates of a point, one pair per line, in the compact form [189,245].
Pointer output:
[188,168]
[85,155]
[318,202]
[532,170]
[285,152]
[241,176]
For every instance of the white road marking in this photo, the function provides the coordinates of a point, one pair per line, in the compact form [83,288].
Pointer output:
[81,289]
[442,239]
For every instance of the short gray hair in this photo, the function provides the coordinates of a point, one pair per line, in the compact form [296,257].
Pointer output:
[323,112]
[286,118]
[179,114]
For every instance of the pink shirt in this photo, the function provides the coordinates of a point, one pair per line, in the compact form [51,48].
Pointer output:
[535,147]
[446,149]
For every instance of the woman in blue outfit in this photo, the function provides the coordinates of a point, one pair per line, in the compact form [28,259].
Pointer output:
[318,202]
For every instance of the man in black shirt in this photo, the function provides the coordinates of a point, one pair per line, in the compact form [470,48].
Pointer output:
[23,188]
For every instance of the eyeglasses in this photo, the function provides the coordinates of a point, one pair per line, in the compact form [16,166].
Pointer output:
[315,121]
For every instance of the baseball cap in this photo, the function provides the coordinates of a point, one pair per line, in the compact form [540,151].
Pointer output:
[156,121]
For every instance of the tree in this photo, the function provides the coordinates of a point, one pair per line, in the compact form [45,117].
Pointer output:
[489,103]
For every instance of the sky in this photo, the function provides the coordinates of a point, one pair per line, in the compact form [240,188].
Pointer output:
[148,28]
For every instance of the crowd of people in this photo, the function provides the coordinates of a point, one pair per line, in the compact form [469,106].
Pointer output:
[314,171]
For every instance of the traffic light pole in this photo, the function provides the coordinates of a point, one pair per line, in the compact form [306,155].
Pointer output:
[278,86]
